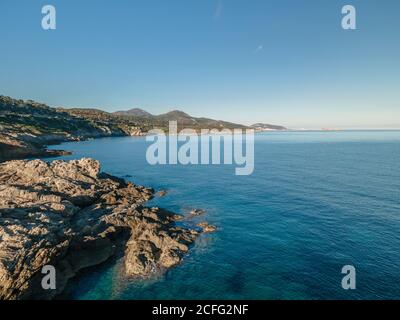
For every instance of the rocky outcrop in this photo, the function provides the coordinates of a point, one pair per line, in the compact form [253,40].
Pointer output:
[28,127]
[71,216]
[196,212]
[206,227]
[19,148]
[161,193]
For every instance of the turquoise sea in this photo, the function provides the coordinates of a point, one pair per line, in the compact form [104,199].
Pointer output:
[316,201]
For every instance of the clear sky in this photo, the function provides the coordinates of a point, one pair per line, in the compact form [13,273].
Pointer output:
[285,62]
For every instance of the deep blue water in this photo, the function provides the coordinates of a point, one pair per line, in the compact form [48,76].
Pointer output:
[316,201]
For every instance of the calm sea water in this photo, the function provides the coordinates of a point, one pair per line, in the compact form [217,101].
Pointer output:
[316,201]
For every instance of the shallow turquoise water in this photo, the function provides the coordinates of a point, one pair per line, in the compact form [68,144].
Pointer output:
[316,201]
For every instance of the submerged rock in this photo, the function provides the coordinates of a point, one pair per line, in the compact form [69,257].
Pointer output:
[161,193]
[71,216]
[196,212]
[206,227]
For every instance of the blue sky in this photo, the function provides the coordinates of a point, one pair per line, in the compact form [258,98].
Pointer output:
[285,62]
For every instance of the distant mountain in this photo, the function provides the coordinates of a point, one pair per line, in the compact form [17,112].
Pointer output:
[174,114]
[267,127]
[183,119]
[135,112]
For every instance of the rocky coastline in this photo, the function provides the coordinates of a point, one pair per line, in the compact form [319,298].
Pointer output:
[28,127]
[72,216]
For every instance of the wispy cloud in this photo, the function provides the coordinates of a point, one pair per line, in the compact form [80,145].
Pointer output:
[259,48]
[218,9]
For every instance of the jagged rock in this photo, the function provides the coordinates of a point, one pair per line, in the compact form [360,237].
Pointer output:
[14,146]
[196,212]
[161,193]
[206,227]
[71,216]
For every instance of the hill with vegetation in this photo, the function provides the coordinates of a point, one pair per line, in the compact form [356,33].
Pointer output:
[27,127]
